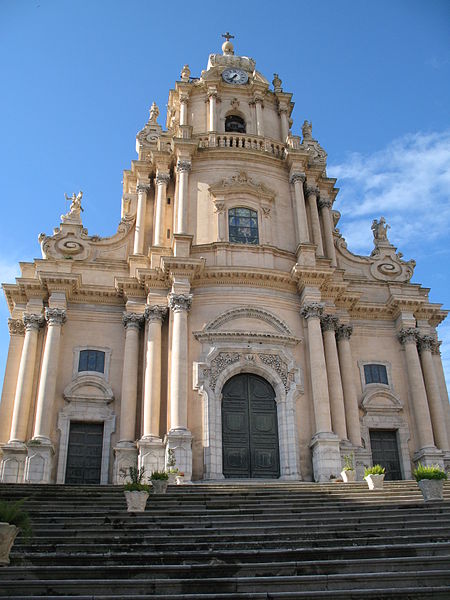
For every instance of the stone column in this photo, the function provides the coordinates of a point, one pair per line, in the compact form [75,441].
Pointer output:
[139,234]
[312,194]
[439,370]
[350,397]
[179,437]
[183,168]
[297,179]
[259,116]
[125,453]
[426,451]
[183,109]
[17,332]
[212,98]
[151,448]
[161,181]
[426,344]
[329,325]
[284,123]
[324,444]
[325,207]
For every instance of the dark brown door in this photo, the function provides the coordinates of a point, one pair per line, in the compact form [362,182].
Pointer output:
[385,452]
[84,457]
[249,428]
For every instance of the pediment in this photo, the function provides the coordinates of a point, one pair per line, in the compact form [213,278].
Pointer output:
[379,400]
[241,184]
[88,387]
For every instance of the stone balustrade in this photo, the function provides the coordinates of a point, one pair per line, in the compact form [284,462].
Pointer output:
[243,141]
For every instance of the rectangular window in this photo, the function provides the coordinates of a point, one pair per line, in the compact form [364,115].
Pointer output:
[375,374]
[92,360]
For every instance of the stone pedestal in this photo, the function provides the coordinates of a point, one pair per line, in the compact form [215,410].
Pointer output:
[125,456]
[326,456]
[151,455]
[180,441]
[39,462]
[13,462]
[428,457]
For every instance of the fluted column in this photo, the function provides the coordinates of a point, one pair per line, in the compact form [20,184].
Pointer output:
[154,316]
[297,179]
[408,339]
[426,344]
[183,168]
[161,181]
[284,123]
[259,115]
[329,325]
[212,99]
[312,194]
[24,387]
[325,207]
[47,386]
[132,323]
[179,305]
[350,397]
[139,234]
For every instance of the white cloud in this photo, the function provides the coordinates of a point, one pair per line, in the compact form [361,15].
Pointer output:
[407,182]
[9,271]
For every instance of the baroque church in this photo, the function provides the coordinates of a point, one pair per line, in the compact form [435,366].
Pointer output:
[226,319]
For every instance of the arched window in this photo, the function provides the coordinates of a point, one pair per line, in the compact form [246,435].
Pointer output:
[234,124]
[243,226]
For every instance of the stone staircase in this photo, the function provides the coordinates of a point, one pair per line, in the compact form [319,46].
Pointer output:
[232,541]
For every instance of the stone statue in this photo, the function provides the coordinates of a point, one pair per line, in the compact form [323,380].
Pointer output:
[185,73]
[276,82]
[73,216]
[379,229]
[307,130]
[154,113]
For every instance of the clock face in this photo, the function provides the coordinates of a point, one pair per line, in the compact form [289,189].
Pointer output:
[236,76]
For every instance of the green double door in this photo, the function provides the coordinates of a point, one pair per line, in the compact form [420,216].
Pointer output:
[249,428]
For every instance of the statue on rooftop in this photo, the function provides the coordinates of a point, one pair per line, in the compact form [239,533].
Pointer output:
[379,229]
[73,216]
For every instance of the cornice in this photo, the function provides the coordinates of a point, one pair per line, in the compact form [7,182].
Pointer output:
[240,336]
[266,278]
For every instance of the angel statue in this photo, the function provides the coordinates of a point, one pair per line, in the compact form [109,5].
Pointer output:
[75,208]
[379,229]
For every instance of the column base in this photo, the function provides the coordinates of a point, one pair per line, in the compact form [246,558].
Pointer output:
[151,455]
[428,457]
[39,461]
[326,456]
[180,440]
[124,457]
[12,467]
[306,254]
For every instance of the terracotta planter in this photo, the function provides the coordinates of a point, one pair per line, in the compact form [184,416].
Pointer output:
[159,486]
[348,475]
[8,534]
[136,501]
[375,482]
[432,489]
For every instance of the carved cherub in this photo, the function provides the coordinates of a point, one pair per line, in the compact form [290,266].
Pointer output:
[379,229]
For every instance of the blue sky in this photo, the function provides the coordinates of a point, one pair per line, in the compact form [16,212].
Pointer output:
[78,78]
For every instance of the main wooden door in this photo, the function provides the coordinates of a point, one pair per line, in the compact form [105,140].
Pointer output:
[84,457]
[249,428]
[385,452]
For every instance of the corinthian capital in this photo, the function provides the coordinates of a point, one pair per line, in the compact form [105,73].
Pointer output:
[312,190]
[162,178]
[325,203]
[408,335]
[184,166]
[132,320]
[178,302]
[344,332]
[16,327]
[155,313]
[329,322]
[55,316]
[297,177]
[426,343]
[33,322]
[142,188]
[313,310]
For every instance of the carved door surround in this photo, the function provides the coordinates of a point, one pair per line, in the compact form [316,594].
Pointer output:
[264,351]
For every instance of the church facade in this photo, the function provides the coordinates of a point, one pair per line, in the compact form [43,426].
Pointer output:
[226,319]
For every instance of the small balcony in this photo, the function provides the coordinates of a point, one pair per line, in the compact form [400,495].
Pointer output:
[243,141]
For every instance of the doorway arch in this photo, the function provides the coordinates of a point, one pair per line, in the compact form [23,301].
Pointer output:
[250,446]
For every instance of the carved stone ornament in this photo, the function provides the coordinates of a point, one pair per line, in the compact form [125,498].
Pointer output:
[276,82]
[162,179]
[408,335]
[344,332]
[75,210]
[242,184]
[143,188]
[312,190]
[387,265]
[329,322]
[185,73]
[132,320]
[301,177]
[219,207]
[325,203]
[275,362]
[314,310]
[32,322]
[426,343]
[55,316]
[16,326]
[235,103]
[219,364]
[436,348]
[152,130]
[155,313]
[183,166]
[179,302]
[317,154]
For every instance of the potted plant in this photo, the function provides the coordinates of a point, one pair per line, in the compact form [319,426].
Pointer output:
[12,520]
[171,468]
[160,480]
[348,473]
[179,478]
[374,477]
[136,492]
[430,481]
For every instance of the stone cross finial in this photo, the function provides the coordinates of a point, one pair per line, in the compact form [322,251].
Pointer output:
[228,36]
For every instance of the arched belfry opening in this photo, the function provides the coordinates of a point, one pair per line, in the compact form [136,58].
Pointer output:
[249,428]
[234,124]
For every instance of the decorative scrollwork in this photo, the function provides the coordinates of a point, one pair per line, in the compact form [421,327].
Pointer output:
[155,313]
[408,335]
[16,327]
[55,316]
[179,302]
[132,320]
[219,364]
[32,322]
[313,310]
[329,322]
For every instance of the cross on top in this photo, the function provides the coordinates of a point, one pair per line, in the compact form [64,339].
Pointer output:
[228,36]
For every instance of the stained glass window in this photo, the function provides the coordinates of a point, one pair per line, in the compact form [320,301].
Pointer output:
[243,226]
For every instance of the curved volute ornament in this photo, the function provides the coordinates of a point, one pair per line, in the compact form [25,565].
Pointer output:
[386,262]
